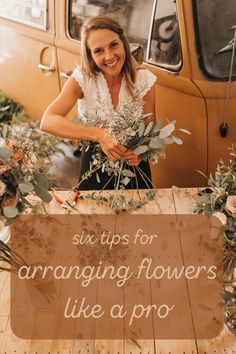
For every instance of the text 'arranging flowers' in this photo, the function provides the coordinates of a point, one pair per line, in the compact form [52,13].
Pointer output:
[125,271]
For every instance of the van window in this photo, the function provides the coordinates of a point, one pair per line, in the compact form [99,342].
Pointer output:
[136,18]
[28,12]
[127,12]
[214,20]
[165,46]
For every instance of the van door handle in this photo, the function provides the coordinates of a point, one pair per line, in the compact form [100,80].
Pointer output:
[64,75]
[46,68]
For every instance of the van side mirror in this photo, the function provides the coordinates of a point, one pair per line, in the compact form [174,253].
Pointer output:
[137,52]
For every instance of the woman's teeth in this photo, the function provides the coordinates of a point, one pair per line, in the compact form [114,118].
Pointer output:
[112,64]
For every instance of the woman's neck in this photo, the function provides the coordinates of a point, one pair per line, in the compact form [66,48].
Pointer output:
[113,80]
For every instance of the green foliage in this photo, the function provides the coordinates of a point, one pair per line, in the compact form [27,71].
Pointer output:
[10,212]
[15,124]
[129,125]
[21,176]
[8,108]
[216,200]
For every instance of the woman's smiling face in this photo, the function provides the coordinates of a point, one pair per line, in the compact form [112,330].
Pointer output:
[107,51]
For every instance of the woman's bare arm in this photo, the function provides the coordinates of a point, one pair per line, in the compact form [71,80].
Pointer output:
[55,122]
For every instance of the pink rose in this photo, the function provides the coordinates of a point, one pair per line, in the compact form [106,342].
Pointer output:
[230,206]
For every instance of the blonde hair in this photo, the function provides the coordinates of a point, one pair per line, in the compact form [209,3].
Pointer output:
[88,65]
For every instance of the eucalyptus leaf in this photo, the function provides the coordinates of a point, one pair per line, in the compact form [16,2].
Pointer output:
[41,180]
[10,212]
[177,140]
[157,125]
[146,115]
[4,109]
[169,140]
[5,154]
[167,130]
[17,196]
[151,194]
[141,129]
[128,173]
[42,193]
[26,187]
[97,178]
[95,162]
[126,180]
[4,131]
[140,150]
[185,131]
[149,127]
[156,143]
[204,199]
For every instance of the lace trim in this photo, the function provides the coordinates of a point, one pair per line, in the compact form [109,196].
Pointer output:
[105,89]
[99,98]
[79,77]
[146,80]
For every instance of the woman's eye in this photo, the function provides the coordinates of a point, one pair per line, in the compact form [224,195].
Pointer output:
[114,44]
[97,51]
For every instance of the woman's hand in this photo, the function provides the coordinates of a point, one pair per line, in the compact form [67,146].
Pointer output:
[114,150]
[131,158]
[110,146]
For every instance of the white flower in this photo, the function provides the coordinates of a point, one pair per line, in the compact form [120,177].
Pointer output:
[230,206]
[154,159]
[2,188]
[33,158]
[221,216]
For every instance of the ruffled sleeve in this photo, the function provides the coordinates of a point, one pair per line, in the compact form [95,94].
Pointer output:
[145,81]
[81,78]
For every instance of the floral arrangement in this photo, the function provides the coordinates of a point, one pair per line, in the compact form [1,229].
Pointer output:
[21,175]
[219,199]
[127,125]
[16,125]
[8,108]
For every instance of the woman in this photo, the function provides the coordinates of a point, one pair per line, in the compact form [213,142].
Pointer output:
[107,76]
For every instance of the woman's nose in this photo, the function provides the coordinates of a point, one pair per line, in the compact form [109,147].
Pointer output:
[108,54]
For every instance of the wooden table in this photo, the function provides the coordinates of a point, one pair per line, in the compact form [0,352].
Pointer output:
[171,201]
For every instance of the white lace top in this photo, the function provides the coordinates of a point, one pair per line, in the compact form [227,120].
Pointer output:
[97,100]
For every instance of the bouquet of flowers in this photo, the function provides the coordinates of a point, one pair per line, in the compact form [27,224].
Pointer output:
[16,125]
[21,174]
[219,199]
[127,125]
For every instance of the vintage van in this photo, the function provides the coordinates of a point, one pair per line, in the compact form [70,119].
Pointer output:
[188,44]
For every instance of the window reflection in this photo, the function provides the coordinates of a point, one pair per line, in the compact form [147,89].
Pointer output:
[165,46]
[29,12]
[133,15]
[215,20]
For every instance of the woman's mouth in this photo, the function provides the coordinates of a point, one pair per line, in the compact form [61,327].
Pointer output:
[110,65]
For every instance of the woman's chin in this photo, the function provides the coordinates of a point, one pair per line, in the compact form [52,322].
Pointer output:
[112,72]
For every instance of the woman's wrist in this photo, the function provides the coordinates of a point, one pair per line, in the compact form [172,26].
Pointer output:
[84,132]
[99,134]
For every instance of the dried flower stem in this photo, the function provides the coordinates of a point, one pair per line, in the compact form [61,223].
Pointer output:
[118,182]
